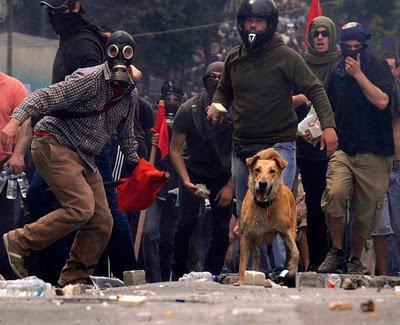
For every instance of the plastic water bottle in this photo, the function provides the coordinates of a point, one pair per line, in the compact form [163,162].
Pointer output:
[3,180]
[333,281]
[198,277]
[12,188]
[30,287]
[23,184]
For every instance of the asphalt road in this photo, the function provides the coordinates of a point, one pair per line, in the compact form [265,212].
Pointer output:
[207,303]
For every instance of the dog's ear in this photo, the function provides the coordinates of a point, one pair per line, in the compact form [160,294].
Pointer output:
[252,160]
[280,162]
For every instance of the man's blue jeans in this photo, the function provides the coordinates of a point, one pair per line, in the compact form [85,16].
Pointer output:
[240,174]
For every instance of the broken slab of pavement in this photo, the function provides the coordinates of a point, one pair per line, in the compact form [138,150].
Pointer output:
[317,280]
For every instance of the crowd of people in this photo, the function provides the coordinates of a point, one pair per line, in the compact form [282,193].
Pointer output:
[91,127]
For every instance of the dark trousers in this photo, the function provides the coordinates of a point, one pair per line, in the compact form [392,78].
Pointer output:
[7,222]
[313,175]
[188,217]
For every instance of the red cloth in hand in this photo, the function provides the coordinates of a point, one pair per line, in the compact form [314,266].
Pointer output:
[161,127]
[139,191]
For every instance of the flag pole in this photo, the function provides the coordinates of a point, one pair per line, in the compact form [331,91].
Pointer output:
[142,216]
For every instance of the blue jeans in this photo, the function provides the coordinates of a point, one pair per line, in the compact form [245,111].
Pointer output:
[158,239]
[120,247]
[240,174]
[394,212]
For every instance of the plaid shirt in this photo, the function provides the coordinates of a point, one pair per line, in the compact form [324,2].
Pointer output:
[85,90]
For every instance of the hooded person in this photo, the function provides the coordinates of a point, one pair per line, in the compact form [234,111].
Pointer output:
[81,42]
[322,64]
[322,57]
[201,154]
[360,91]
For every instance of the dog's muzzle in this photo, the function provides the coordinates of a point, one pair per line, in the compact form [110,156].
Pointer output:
[261,197]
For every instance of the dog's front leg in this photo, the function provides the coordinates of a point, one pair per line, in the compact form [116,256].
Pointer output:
[290,242]
[244,257]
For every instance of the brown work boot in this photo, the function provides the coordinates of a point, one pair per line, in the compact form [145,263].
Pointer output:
[16,257]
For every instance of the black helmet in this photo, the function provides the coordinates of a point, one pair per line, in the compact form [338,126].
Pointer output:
[264,9]
[172,87]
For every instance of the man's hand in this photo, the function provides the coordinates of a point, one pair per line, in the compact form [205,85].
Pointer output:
[225,195]
[299,100]
[135,73]
[212,117]
[154,139]
[16,163]
[353,67]
[8,134]
[190,186]
[329,140]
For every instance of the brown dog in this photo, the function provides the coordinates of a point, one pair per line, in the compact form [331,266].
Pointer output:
[268,209]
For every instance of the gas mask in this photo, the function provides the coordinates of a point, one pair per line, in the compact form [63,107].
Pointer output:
[172,102]
[120,52]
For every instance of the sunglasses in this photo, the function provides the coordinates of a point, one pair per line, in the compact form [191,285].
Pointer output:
[323,33]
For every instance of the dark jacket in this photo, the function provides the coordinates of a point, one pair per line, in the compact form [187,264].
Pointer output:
[260,85]
[82,47]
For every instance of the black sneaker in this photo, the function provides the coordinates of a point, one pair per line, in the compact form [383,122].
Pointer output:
[355,266]
[332,263]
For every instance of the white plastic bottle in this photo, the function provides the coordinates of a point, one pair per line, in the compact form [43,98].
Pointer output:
[30,287]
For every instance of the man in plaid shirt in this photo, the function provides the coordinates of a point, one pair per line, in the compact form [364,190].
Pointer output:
[63,150]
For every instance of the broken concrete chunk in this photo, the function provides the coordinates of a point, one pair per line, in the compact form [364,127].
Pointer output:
[348,284]
[133,278]
[340,305]
[73,290]
[367,306]
[254,278]
[129,300]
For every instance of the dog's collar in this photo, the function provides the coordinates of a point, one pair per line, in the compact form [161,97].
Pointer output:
[264,204]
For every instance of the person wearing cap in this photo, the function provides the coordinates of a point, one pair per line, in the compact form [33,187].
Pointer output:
[201,153]
[360,90]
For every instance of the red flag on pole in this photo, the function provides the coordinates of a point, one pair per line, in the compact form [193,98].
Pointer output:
[314,11]
[161,128]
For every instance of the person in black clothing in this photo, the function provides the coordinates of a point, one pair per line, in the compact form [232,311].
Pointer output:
[201,153]
[82,44]
[360,91]
[162,217]
[322,57]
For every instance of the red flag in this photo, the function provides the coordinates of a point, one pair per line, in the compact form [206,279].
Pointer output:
[314,11]
[161,128]
[138,192]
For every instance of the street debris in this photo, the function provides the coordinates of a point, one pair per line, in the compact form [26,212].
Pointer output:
[134,277]
[367,306]
[71,290]
[247,311]
[348,284]
[340,305]
[101,282]
[130,300]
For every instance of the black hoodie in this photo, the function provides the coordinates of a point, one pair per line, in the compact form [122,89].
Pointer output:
[81,46]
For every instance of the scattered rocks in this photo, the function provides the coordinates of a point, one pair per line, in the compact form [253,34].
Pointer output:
[348,284]
[367,306]
[340,306]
